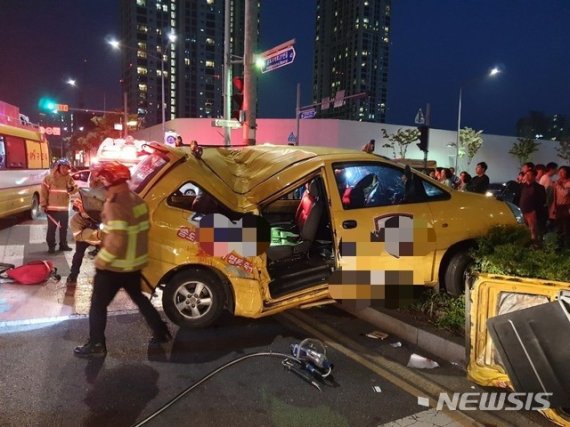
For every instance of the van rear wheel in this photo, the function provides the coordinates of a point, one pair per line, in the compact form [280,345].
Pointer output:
[456,273]
[193,299]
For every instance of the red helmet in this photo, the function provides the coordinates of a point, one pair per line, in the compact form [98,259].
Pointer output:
[114,172]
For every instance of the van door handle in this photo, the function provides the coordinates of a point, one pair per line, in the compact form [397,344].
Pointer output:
[349,224]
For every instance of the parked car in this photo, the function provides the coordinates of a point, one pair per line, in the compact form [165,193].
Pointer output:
[262,229]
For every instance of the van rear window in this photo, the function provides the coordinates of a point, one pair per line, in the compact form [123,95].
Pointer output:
[146,170]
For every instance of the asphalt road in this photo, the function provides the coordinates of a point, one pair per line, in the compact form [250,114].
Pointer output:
[43,384]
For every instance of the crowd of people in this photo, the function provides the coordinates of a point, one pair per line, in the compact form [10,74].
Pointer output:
[464,181]
[543,194]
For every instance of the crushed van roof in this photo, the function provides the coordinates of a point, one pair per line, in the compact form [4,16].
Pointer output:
[243,168]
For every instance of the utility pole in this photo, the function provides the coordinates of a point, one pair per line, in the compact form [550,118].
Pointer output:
[125,115]
[249,77]
[227,74]
[298,112]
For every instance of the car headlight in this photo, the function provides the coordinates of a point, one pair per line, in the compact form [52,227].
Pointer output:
[517,213]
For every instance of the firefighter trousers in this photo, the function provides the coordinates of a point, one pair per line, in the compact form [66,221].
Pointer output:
[105,287]
[61,218]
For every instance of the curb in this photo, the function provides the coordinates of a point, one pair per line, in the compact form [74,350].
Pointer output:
[436,345]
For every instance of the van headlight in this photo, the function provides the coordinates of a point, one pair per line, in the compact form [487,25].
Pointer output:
[517,213]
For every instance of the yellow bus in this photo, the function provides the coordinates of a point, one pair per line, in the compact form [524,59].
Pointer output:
[24,162]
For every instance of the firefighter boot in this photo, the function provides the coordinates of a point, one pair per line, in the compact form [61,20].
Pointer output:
[91,350]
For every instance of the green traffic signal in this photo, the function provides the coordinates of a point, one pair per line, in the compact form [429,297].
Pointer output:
[47,104]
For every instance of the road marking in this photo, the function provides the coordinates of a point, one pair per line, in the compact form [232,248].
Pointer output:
[402,377]
[38,233]
[430,417]
[12,254]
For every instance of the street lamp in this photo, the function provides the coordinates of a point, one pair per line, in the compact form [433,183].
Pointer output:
[493,72]
[171,38]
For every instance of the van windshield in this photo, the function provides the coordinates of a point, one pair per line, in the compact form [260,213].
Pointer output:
[146,170]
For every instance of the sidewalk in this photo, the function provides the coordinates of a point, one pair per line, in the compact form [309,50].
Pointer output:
[24,305]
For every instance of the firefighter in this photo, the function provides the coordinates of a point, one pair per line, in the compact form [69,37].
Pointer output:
[54,200]
[84,225]
[122,256]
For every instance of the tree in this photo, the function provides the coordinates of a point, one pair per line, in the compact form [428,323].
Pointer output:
[470,141]
[563,149]
[403,138]
[523,149]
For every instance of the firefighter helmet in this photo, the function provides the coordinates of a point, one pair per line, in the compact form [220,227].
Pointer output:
[114,172]
[61,162]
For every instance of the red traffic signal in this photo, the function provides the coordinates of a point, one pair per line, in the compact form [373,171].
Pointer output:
[237,97]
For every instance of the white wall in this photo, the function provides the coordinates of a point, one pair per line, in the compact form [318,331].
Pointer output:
[350,134]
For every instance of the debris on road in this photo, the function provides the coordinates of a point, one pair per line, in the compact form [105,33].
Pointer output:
[378,335]
[396,344]
[420,362]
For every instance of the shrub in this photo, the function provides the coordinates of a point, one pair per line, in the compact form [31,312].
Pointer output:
[509,251]
[444,311]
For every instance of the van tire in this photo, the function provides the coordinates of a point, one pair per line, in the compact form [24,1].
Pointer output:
[34,212]
[455,273]
[188,308]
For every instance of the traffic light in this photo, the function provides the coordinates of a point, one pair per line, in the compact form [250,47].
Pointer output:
[424,138]
[47,104]
[237,97]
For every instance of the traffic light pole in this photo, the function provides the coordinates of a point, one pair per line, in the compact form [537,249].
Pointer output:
[428,124]
[227,74]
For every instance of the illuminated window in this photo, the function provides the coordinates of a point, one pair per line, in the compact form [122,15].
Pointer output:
[142,87]
[142,71]
[210,41]
[141,3]
[210,1]
[210,64]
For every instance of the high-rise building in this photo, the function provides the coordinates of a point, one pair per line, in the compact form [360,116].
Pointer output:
[190,69]
[352,46]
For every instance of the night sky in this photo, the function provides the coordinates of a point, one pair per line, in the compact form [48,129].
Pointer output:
[436,47]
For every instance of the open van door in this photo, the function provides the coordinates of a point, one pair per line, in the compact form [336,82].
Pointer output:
[520,338]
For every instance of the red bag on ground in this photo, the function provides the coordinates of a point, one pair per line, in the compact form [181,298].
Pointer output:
[32,273]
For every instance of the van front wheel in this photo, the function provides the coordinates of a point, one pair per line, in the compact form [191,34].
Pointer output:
[193,299]
[456,273]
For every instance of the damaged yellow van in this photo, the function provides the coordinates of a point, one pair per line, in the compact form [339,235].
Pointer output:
[261,229]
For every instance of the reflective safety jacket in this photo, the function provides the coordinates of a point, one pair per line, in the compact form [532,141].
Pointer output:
[55,191]
[124,232]
[84,229]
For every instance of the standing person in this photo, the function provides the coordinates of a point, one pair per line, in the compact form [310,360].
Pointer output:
[531,202]
[84,225]
[562,205]
[445,177]
[480,182]
[54,200]
[464,180]
[370,147]
[122,256]
[547,183]
[546,179]
[455,181]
